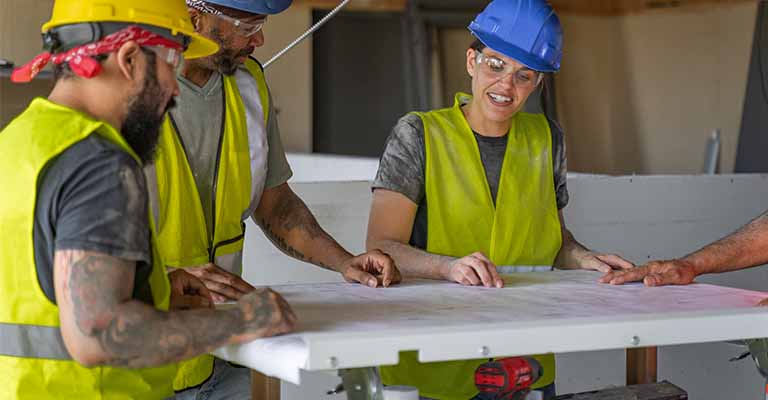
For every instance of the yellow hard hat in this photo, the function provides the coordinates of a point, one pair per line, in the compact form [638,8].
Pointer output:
[167,14]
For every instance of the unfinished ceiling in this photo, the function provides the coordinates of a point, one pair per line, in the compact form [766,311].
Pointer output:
[591,7]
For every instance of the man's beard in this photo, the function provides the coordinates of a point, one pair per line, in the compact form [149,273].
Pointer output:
[141,128]
[226,60]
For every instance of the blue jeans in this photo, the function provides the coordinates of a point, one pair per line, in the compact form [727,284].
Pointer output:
[226,382]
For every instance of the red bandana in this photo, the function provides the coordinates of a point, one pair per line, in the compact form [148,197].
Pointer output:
[80,58]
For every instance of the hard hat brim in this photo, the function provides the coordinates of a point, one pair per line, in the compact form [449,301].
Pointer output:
[199,45]
[515,53]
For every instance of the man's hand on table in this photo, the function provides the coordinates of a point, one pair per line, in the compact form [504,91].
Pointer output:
[188,292]
[654,273]
[473,270]
[223,285]
[373,269]
[265,313]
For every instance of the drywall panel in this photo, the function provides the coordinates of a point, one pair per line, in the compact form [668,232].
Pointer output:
[290,78]
[641,93]
[688,70]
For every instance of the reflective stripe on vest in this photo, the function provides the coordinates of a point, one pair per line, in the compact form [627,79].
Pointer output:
[522,228]
[183,237]
[34,363]
[32,341]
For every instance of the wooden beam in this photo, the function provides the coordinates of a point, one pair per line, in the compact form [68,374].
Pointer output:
[358,5]
[625,7]
[264,387]
[642,366]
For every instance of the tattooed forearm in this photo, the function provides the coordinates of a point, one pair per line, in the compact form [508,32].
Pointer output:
[292,228]
[96,293]
[281,244]
[291,213]
[180,335]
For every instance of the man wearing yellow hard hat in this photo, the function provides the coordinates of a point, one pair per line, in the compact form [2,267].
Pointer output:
[221,161]
[86,298]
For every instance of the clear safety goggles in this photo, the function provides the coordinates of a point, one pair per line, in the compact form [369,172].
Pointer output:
[524,78]
[243,28]
[174,57]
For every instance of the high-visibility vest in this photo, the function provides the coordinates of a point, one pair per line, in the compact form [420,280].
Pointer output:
[34,363]
[522,228]
[183,237]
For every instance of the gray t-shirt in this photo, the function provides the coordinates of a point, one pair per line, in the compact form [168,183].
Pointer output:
[199,119]
[403,163]
[93,197]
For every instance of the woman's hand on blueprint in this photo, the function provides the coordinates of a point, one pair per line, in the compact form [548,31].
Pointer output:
[474,270]
[605,263]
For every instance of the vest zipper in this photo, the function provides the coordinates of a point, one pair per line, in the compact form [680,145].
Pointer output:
[212,254]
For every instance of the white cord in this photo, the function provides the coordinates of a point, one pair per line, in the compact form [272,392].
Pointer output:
[307,33]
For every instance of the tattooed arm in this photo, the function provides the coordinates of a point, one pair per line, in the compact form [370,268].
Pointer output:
[102,325]
[289,224]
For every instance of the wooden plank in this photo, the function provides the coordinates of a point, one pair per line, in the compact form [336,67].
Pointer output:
[642,366]
[655,391]
[577,7]
[624,7]
[358,5]
[264,387]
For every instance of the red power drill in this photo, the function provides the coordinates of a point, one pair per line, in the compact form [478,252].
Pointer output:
[507,378]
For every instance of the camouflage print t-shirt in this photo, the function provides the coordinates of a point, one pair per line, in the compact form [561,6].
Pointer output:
[93,197]
[402,167]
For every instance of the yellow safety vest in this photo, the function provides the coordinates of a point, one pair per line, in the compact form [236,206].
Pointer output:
[183,237]
[34,363]
[523,228]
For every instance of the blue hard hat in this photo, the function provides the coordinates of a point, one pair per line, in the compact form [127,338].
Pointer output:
[528,31]
[263,7]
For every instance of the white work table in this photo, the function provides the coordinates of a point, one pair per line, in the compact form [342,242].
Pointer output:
[345,326]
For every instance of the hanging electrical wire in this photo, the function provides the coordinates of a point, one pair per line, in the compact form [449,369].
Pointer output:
[307,33]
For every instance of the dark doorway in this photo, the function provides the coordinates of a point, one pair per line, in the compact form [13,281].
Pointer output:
[753,138]
[359,82]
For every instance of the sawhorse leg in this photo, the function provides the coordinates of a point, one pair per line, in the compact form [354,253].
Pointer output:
[642,365]
[264,387]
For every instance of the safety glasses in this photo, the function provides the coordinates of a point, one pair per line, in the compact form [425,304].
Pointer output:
[174,57]
[524,78]
[243,28]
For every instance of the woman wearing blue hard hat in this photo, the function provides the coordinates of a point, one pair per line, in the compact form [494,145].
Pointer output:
[462,190]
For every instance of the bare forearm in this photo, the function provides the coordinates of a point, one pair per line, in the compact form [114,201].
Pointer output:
[569,251]
[292,228]
[747,247]
[413,262]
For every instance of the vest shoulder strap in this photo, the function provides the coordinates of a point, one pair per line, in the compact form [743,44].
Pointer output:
[257,71]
